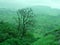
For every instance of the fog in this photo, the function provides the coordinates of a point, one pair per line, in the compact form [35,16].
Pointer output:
[27,3]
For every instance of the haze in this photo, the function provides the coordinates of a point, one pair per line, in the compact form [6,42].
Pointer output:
[27,3]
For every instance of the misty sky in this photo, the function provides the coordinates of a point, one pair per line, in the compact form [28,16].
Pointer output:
[27,3]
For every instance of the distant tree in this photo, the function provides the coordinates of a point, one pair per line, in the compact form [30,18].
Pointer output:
[25,20]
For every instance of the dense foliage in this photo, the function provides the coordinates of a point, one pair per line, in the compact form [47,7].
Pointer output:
[18,34]
[30,27]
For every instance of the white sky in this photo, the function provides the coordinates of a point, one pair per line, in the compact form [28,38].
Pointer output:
[26,3]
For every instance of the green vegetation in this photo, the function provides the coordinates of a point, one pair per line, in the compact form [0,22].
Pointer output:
[30,26]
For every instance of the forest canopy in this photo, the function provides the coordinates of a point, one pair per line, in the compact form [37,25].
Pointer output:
[30,26]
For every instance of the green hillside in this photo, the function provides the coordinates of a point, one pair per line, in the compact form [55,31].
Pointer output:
[45,29]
